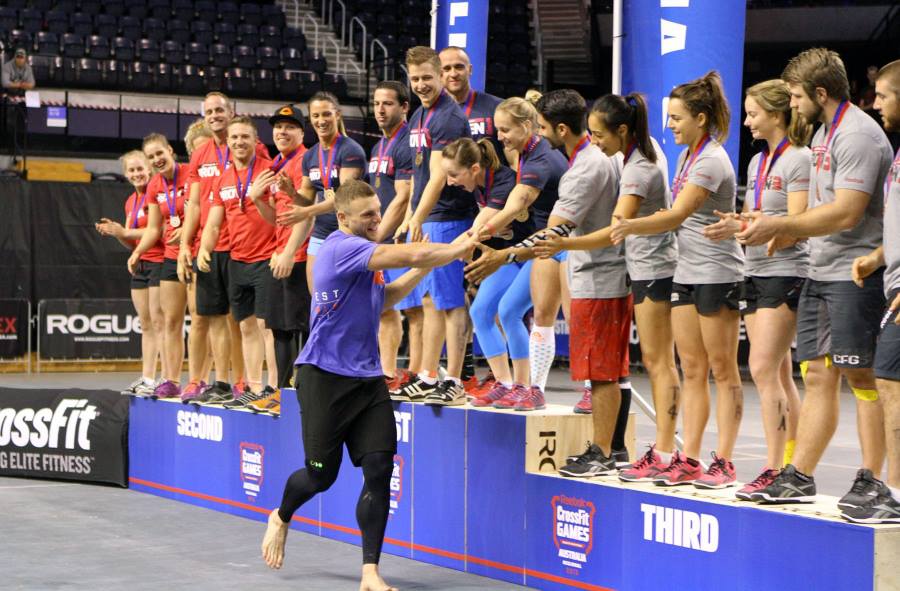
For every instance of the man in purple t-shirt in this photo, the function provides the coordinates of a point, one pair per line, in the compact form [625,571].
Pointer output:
[342,394]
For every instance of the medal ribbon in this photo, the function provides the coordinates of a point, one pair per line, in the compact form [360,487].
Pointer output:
[382,149]
[762,172]
[326,168]
[529,148]
[470,102]
[628,152]
[242,190]
[582,144]
[678,182]
[281,161]
[890,177]
[173,204]
[424,126]
[137,207]
[222,158]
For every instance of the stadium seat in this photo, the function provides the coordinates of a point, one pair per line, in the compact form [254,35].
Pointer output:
[229,13]
[66,6]
[244,57]
[159,9]
[42,5]
[148,51]
[165,76]
[116,73]
[202,32]
[173,52]
[198,53]
[138,11]
[273,15]
[114,8]
[141,76]
[131,27]
[123,49]
[183,10]
[268,58]
[226,33]
[90,73]
[90,7]
[238,82]
[57,22]
[290,85]
[191,80]
[270,35]
[47,43]
[72,45]
[251,14]
[42,66]
[264,84]
[106,25]
[248,35]
[81,24]
[315,64]
[70,72]
[155,29]
[220,55]
[292,59]
[214,78]
[178,31]
[19,38]
[32,20]
[98,47]
[335,84]
[206,10]
[9,18]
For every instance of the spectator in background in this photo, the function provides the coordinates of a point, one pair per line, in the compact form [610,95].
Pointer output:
[17,75]
[867,96]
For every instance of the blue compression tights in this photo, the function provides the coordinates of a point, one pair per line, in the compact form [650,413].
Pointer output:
[506,293]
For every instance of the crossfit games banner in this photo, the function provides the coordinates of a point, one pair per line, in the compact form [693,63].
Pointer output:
[89,329]
[464,24]
[668,42]
[13,328]
[69,434]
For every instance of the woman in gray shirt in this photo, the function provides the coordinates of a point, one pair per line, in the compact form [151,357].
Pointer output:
[777,184]
[706,286]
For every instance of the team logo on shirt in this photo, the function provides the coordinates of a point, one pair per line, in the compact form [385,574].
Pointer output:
[161,197]
[382,166]
[573,532]
[821,158]
[481,126]
[208,170]
[420,138]
[378,278]
[773,183]
[315,174]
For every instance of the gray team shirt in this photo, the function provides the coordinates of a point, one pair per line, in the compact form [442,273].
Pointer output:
[648,257]
[701,260]
[892,230]
[858,158]
[789,174]
[587,197]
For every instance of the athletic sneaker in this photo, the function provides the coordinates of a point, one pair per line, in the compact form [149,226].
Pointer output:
[166,389]
[267,397]
[788,487]
[192,391]
[533,400]
[760,482]
[865,488]
[218,393]
[243,400]
[131,390]
[239,388]
[495,394]
[645,469]
[719,475]
[146,389]
[509,402]
[414,391]
[681,470]
[446,393]
[470,384]
[400,378]
[591,463]
[484,386]
[882,509]
[621,458]
[584,406]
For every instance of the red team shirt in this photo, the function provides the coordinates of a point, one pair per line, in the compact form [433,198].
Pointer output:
[294,171]
[206,167]
[252,237]
[156,195]
[156,253]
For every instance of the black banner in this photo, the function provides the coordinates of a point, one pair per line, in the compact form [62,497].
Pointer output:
[13,328]
[89,329]
[68,434]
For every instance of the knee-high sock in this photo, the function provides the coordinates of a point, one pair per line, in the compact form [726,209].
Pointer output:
[541,350]
[618,440]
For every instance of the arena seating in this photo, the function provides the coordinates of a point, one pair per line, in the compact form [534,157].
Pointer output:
[182,46]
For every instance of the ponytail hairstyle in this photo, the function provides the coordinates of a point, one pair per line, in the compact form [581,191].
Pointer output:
[533,96]
[774,96]
[630,111]
[467,152]
[327,97]
[706,95]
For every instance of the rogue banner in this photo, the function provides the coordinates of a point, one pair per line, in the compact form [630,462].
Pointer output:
[69,434]
[89,329]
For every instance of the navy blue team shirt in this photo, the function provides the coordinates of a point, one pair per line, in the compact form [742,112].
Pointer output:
[396,164]
[542,168]
[349,155]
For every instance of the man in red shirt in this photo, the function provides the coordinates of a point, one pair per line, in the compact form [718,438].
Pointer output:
[252,244]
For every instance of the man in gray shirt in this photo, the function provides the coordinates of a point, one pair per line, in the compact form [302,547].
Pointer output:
[837,321]
[17,76]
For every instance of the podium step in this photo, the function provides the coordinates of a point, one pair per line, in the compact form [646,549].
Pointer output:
[55,170]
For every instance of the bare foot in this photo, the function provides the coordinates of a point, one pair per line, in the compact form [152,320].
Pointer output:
[273,541]
[372,581]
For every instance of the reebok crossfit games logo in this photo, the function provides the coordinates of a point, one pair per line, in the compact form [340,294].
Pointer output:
[252,468]
[573,531]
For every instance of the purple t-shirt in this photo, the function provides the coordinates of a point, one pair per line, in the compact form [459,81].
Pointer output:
[349,155]
[542,168]
[446,123]
[346,309]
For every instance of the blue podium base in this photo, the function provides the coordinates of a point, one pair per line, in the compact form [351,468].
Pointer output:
[461,497]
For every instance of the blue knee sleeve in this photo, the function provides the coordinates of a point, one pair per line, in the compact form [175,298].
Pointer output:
[484,310]
[513,306]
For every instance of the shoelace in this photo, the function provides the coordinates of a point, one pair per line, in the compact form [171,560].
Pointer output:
[768,475]
[860,484]
[646,460]
[718,466]
[488,378]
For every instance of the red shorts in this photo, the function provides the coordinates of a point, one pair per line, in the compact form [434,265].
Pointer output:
[599,331]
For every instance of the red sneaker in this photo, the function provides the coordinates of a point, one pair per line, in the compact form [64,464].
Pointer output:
[498,392]
[470,384]
[682,470]
[533,400]
[509,402]
[394,383]
[720,474]
[762,481]
[584,406]
[645,469]
[483,387]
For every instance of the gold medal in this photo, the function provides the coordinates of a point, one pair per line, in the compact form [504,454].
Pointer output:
[329,194]
[418,158]
[378,181]
[174,221]
[522,216]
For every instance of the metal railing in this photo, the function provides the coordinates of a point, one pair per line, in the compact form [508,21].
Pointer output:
[362,27]
[388,63]
[538,42]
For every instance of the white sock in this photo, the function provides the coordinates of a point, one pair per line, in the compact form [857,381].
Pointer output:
[587,384]
[148,380]
[456,381]
[506,384]
[428,379]
[665,456]
[541,351]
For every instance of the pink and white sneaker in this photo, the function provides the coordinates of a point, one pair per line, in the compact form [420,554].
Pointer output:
[497,392]
[584,406]
[645,469]
[681,470]
[767,477]
[720,474]
[166,389]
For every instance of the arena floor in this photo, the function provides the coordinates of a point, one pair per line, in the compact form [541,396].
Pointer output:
[77,536]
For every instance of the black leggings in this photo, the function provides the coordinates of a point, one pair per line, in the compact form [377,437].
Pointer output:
[618,441]
[287,347]
[374,499]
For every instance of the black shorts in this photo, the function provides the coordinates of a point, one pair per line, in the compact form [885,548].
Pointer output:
[887,353]
[708,298]
[658,290]
[289,301]
[248,288]
[838,318]
[337,410]
[169,270]
[146,275]
[212,287]
[771,292]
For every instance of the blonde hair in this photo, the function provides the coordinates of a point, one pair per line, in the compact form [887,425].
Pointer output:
[420,54]
[773,96]
[156,137]
[520,109]
[819,68]
[467,152]
[222,96]
[706,95]
[243,120]
[533,96]
[197,129]
[124,158]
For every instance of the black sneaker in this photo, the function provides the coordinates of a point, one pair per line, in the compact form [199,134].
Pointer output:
[865,488]
[446,393]
[218,393]
[881,509]
[621,458]
[587,451]
[592,463]
[243,400]
[789,487]
[415,390]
